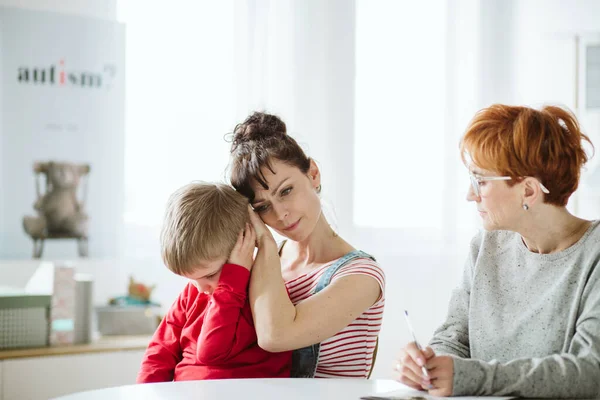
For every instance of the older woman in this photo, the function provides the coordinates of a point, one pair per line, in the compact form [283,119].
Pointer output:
[315,293]
[525,320]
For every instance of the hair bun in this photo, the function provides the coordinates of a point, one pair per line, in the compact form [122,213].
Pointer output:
[259,126]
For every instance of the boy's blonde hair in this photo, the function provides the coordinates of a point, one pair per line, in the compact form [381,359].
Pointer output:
[202,223]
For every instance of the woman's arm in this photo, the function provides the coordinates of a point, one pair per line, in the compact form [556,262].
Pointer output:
[281,326]
[573,374]
[556,376]
[452,338]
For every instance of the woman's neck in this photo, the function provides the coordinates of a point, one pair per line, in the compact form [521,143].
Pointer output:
[321,246]
[552,229]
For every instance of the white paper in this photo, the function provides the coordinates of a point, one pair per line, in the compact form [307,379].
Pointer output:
[409,394]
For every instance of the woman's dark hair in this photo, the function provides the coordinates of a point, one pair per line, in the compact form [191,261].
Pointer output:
[257,141]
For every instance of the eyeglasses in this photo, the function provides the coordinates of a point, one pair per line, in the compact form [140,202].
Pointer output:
[477,179]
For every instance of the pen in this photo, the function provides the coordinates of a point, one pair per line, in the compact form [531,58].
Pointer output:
[412,332]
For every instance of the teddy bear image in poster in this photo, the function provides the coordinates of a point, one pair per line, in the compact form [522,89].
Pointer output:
[61,215]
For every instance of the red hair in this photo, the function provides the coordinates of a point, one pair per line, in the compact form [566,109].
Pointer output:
[521,141]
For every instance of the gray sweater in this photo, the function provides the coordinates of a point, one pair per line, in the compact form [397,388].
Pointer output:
[525,324]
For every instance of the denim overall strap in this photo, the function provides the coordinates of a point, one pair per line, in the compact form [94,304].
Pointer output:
[305,360]
[280,246]
[326,277]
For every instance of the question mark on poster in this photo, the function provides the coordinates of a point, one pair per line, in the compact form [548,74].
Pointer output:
[109,74]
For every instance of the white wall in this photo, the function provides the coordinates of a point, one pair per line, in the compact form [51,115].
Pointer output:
[544,61]
[544,48]
[497,21]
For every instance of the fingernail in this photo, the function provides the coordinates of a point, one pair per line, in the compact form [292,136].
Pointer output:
[420,362]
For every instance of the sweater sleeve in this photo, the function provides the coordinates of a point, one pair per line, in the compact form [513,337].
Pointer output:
[225,332]
[574,374]
[164,351]
[452,338]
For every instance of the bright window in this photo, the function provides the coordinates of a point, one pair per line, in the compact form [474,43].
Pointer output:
[399,113]
[180,99]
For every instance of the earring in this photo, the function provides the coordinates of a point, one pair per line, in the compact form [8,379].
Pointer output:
[319,188]
[525,207]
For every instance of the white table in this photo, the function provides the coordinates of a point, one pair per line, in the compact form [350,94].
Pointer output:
[246,389]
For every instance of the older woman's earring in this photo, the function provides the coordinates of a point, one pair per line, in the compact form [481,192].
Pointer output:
[525,207]
[319,188]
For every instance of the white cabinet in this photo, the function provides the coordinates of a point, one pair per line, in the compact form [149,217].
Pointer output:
[37,378]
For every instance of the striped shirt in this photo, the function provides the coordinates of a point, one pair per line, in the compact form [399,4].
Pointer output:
[349,353]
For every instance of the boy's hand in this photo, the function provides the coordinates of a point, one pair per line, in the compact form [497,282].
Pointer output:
[243,251]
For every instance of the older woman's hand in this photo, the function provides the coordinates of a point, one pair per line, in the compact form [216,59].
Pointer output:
[261,230]
[408,366]
[441,372]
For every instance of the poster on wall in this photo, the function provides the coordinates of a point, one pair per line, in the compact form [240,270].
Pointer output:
[61,99]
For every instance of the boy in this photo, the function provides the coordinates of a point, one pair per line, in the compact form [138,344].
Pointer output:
[208,332]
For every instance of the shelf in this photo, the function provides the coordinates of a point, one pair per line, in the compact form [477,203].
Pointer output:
[102,345]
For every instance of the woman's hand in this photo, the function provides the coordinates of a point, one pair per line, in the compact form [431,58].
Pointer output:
[408,366]
[441,372]
[262,232]
[243,250]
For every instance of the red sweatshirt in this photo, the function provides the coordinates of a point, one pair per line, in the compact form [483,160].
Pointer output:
[211,337]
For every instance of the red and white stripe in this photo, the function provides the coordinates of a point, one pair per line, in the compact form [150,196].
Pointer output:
[349,353]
